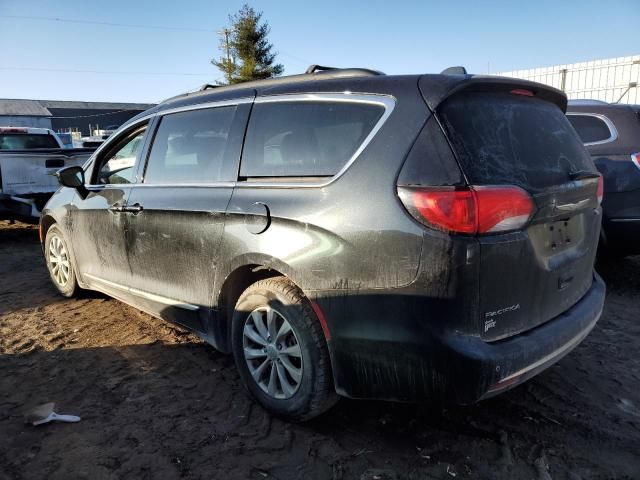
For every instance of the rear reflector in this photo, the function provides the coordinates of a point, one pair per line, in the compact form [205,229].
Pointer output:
[473,210]
[600,191]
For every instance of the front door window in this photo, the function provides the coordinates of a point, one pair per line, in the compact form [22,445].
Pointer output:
[118,165]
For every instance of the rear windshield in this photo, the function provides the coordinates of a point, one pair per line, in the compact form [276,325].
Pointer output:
[502,138]
[26,141]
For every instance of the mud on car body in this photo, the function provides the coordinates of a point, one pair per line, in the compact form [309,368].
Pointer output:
[343,231]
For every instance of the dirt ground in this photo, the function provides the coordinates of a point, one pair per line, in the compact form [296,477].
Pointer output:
[156,402]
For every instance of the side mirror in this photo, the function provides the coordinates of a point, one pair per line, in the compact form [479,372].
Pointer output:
[72,177]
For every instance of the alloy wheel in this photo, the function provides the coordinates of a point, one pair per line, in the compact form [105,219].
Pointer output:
[59,263]
[272,352]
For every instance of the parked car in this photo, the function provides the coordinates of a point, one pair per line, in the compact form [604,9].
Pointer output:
[347,232]
[611,133]
[29,159]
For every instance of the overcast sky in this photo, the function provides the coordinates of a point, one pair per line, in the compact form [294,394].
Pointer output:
[145,51]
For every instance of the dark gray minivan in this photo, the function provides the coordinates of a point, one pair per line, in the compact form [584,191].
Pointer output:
[344,232]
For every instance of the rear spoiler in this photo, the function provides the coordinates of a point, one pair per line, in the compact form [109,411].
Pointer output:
[437,88]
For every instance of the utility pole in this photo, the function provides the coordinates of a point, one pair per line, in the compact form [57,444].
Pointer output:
[563,79]
[226,32]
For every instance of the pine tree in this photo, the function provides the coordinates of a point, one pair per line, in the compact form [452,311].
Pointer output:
[247,54]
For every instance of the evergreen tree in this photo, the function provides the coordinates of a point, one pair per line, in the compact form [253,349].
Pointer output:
[247,54]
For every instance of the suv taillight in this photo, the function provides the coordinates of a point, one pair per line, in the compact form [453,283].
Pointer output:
[600,191]
[472,210]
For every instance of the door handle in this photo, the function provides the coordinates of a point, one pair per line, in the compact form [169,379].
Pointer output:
[135,208]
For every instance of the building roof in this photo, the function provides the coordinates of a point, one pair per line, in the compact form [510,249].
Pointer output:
[40,108]
[31,108]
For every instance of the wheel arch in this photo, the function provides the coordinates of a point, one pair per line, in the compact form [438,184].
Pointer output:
[236,282]
[243,272]
[46,222]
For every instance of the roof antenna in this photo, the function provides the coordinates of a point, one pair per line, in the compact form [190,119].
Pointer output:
[454,71]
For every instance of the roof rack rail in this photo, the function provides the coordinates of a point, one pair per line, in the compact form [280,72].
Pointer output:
[207,86]
[314,69]
[454,71]
[318,68]
[313,73]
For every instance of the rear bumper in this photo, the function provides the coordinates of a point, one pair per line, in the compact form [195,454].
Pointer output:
[457,368]
[17,208]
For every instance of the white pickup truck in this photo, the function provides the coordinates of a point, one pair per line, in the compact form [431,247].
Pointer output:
[29,159]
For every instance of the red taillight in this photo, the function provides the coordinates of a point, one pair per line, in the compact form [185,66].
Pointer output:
[522,91]
[600,191]
[635,158]
[474,210]
[452,210]
[13,130]
[502,208]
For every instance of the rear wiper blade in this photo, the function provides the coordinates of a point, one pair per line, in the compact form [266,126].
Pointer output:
[583,175]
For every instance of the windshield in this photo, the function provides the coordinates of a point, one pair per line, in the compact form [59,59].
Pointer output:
[26,141]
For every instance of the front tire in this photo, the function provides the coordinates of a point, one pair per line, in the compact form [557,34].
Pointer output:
[281,352]
[59,263]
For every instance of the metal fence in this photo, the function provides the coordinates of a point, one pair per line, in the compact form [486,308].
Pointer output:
[613,80]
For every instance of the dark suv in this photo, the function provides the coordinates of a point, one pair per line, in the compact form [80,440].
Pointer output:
[343,231]
[611,134]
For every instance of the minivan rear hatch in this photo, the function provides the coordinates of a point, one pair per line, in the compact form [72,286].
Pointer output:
[516,135]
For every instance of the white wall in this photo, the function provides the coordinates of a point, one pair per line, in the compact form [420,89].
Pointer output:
[603,80]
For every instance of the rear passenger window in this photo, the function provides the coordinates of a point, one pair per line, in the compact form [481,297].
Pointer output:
[189,147]
[300,139]
[591,129]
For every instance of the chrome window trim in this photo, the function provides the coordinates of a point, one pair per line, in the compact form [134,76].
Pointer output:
[201,106]
[114,135]
[386,101]
[227,184]
[613,132]
[148,118]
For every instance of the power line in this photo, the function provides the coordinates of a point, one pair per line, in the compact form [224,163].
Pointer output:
[133,25]
[109,24]
[107,72]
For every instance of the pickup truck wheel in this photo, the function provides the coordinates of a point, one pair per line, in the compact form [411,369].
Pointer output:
[281,352]
[59,262]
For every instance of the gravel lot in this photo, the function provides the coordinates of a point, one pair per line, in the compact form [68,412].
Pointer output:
[156,402]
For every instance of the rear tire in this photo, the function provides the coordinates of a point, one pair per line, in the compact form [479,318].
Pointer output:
[59,263]
[280,350]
